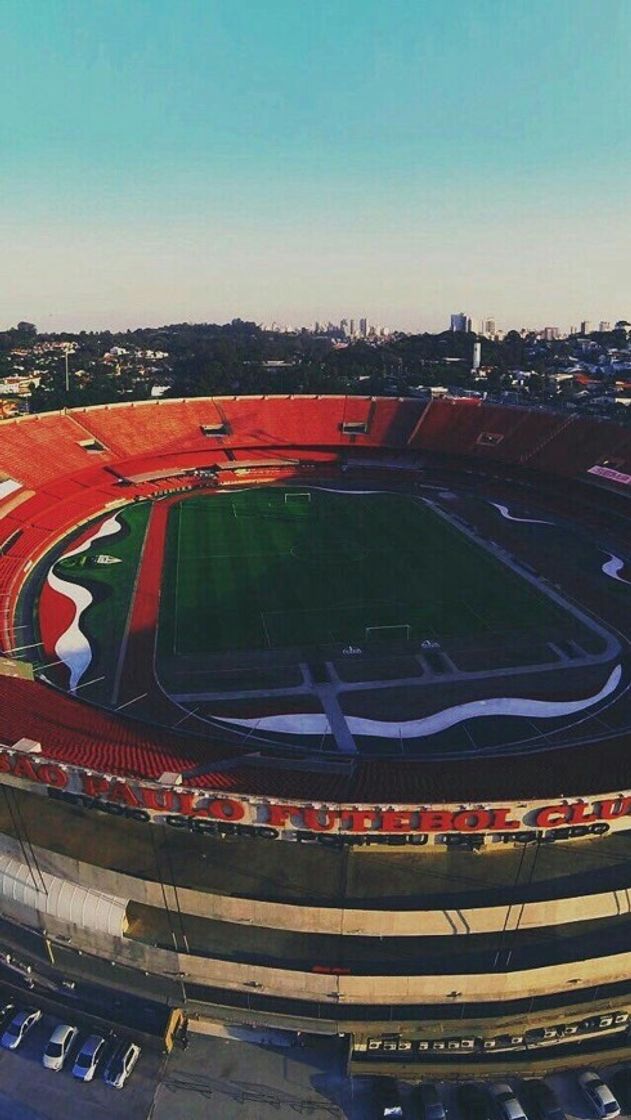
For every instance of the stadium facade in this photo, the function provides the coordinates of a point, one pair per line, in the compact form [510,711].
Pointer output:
[451,901]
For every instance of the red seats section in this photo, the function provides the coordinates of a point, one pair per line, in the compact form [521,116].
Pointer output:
[46,454]
[84,736]
[38,449]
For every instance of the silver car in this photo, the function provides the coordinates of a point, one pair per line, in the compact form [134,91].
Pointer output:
[88,1057]
[506,1103]
[121,1064]
[19,1027]
[58,1046]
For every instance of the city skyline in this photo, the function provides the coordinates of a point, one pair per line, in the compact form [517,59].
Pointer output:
[164,164]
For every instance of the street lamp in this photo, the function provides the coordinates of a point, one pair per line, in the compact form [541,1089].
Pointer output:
[66,352]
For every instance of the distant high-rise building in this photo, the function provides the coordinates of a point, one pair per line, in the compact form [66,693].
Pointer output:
[489,328]
[460,322]
[344,326]
[363,327]
[550,333]
[351,327]
[586,326]
[572,330]
[604,325]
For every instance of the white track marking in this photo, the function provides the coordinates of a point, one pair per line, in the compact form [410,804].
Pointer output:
[612,568]
[72,647]
[524,520]
[307,723]
[316,724]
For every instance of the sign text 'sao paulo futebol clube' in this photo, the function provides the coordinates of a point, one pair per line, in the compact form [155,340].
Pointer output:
[178,807]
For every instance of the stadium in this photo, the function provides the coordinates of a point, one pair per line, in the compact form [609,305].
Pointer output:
[314,713]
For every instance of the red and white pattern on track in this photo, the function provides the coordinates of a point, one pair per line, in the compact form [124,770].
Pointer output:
[59,613]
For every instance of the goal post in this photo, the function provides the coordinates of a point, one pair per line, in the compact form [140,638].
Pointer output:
[401,632]
[297,496]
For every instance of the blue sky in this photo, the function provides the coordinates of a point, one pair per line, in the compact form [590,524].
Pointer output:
[282,159]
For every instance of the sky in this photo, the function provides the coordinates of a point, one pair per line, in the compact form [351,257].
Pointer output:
[293,160]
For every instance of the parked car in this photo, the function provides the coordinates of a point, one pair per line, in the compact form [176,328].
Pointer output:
[427,1104]
[598,1094]
[507,1105]
[19,1026]
[387,1099]
[473,1101]
[58,1046]
[121,1063]
[88,1057]
[621,1087]
[540,1100]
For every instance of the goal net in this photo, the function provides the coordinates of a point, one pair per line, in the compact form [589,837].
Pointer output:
[297,497]
[402,632]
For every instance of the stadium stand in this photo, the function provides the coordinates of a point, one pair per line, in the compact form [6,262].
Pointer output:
[69,485]
[39,449]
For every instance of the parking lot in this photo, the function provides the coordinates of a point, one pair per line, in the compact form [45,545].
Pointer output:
[30,1092]
[220,1077]
[243,1081]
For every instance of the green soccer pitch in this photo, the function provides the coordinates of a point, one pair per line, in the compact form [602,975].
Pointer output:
[271,568]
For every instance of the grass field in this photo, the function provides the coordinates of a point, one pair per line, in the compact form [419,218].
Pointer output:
[258,570]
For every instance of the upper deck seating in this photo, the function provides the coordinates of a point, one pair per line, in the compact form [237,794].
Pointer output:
[37,449]
[85,736]
[449,426]
[578,446]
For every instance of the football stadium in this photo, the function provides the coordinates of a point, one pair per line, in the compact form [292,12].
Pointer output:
[315,714]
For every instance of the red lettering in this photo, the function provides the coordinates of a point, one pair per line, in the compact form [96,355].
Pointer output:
[614,807]
[581,815]
[360,819]
[187,803]
[394,821]
[435,820]
[94,784]
[500,821]
[552,815]
[120,791]
[158,799]
[52,775]
[472,820]
[319,820]
[23,768]
[280,815]
[226,809]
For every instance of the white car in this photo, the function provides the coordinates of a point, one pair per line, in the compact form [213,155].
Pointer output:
[19,1026]
[598,1094]
[506,1103]
[121,1064]
[88,1057]
[58,1046]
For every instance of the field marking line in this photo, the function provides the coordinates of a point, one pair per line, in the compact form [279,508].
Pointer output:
[177,580]
[189,713]
[122,649]
[95,680]
[265,630]
[132,701]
